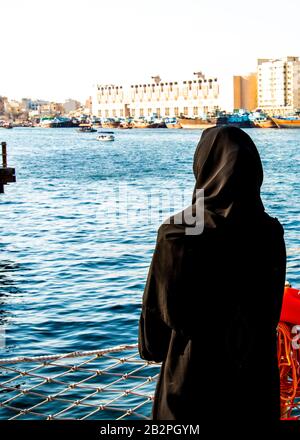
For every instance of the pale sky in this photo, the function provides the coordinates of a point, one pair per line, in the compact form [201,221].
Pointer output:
[58,49]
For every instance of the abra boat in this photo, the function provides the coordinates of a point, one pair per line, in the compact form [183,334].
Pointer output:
[105,136]
[288,122]
[86,128]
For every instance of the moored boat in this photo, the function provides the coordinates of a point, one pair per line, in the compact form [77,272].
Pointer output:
[58,122]
[238,119]
[110,123]
[197,123]
[86,128]
[264,123]
[287,122]
[172,123]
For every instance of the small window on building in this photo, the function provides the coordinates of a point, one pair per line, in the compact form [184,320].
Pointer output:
[158,112]
[141,112]
[195,111]
[176,111]
[167,111]
[185,111]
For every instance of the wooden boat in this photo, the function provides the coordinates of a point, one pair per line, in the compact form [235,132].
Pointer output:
[264,123]
[288,122]
[86,128]
[142,123]
[196,123]
[110,123]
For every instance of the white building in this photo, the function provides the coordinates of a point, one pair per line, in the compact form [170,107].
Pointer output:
[196,97]
[278,85]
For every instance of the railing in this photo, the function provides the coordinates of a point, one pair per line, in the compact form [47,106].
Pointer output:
[102,384]
[7,175]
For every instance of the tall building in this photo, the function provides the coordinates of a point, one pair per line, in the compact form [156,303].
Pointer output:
[195,97]
[279,85]
[245,91]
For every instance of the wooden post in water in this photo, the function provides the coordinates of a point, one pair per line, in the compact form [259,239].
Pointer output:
[6,174]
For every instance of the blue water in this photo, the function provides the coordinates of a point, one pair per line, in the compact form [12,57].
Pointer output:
[71,276]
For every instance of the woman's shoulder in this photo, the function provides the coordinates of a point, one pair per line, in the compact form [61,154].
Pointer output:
[272,224]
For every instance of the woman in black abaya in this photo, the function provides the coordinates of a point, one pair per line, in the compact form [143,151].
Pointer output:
[212,300]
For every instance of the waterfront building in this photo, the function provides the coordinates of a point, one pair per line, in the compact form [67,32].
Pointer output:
[51,108]
[195,97]
[70,105]
[279,85]
[245,91]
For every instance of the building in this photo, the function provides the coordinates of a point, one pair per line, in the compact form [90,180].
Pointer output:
[31,105]
[245,92]
[279,85]
[70,105]
[195,97]
[51,109]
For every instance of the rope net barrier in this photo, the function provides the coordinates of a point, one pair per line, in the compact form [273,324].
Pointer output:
[113,383]
[102,384]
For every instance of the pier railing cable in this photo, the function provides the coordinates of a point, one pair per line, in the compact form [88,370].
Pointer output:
[114,383]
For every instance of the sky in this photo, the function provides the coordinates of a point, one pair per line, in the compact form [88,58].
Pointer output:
[59,49]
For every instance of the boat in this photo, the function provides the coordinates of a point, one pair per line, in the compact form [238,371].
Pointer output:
[264,123]
[143,123]
[105,136]
[5,124]
[58,122]
[197,123]
[86,128]
[287,122]
[110,123]
[172,123]
[241,120]
[261,120]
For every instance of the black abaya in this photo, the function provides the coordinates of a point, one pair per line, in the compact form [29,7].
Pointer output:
[212,301]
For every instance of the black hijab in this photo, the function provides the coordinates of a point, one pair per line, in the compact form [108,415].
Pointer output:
[228,168]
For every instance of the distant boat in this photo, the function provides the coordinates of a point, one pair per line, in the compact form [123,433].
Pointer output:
[172,123]
[240,120]
[7,125]
[143,123]
[287,122]
[264,122]
[197,123]
[58,122]
[86,128]
[105,136]
[110,123]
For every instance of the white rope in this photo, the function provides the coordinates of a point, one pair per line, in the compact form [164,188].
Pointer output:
[49,387]
[15,360]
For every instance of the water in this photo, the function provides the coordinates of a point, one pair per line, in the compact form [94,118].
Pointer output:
[70,277]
